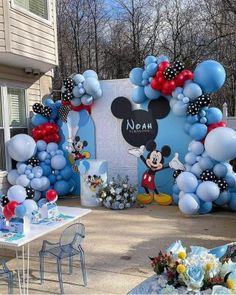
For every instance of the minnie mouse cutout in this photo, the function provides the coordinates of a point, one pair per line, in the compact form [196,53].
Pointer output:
[155,163]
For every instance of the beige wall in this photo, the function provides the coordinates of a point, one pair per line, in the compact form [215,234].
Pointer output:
[36,87]
[2,30]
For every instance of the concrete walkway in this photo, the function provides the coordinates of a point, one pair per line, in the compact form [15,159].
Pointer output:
[118,244]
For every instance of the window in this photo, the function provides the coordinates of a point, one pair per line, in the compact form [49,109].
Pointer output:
[37,7]
[12,120]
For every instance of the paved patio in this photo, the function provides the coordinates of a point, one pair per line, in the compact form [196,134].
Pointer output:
[118,244]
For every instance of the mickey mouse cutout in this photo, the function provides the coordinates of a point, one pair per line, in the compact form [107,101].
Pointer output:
[155,163]
[139,126]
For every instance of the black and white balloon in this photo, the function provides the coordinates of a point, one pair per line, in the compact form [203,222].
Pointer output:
[37,108]
[178,66]
[203,100]
[46,112]
[208,175]
[33,161]
[67,95]
[30,192]
[170,73]
[4,201]
[222,184]
[68,83]
[176,173]
[193,109]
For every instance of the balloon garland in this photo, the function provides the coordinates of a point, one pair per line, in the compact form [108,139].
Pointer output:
[42,172]
[208,178]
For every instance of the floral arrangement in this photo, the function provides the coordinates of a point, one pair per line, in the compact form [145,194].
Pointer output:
[117,194]
[198,271]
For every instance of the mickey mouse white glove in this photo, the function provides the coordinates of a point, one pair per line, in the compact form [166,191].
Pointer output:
[176,164]
[137,152]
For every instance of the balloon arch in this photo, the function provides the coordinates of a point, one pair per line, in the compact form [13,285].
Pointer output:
[208,178]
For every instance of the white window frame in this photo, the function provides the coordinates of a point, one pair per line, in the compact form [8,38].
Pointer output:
[5,119]
[33,15]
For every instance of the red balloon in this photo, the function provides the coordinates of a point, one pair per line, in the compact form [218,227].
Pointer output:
[154,84]
[7,213]
[12,206]
[179,80]
[161,81]
[159,74]
[168,87]
[163,65]
[216,125]
[51,195]
[188,75]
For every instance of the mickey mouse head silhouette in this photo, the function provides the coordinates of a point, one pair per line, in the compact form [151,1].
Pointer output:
[139,126]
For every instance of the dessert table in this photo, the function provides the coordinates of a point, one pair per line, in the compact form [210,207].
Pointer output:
[22,242]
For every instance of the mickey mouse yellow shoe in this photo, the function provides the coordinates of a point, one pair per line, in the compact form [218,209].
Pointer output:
[144,198]
[163,199]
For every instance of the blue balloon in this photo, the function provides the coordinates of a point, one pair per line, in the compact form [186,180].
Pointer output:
[176,92]
[38,119]
[41,145]
[52,178]
[45,183]
[205,207]
[188,204]
[196,147]
[150,59]
[37,171]
[23,180]
[37,196]
[76,91]
[66,172]
[151,69]
[30,206]
[42,202]
[190,158]
[187,127]
[192,119]
[175,198]
[40,184]
[136,76]
[231,179]
[196,169]
[176,188]
[232,202]
[20,211]
[198,131]
[86,99]
[52,153]
[213,115]
[59,177]
[58,162]
[180,108]
[187,182]
[208,191]
[78,78]
[220,144]
[62,187]
[31,176]
[42,156]
[151,93]
[192,91]
[21,168]
[17,193]
[210,75]
[91,85]
[219,252]
[220,170]
[90,73]
[206,163]
[223,198]
[47,170]
[52,147]
[21,147]
[76,102]
[12,176]
[138,95]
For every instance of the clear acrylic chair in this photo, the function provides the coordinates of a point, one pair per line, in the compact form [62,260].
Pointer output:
[68,246]
[5,272]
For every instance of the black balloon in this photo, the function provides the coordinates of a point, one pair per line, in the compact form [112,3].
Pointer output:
[170,73]
[38,108]
[203,100]
[30,192]
[68,83]
[222,184]
[176,173]
[67,95]
[208,175]
[4,201]
[178,66]
[46,112]
[33,161]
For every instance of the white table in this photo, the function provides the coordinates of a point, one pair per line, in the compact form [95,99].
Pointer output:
[37,231]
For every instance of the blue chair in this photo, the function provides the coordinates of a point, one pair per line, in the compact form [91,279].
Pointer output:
[68,246]
[5,272]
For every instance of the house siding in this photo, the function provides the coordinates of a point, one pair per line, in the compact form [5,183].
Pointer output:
[2,29]
[36,89]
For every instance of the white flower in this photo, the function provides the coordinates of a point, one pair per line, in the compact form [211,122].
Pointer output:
[108,199]
[125,185]
[121,206]
[127,205]
[162,281]
[118,197]
[133,198]
[220,290]
[126,195]
[111,182]
[227,267]
[112,191]
[175,248]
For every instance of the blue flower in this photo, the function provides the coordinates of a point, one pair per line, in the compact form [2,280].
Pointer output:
[175,248]
[196,250]
[220,290]
[193,278]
